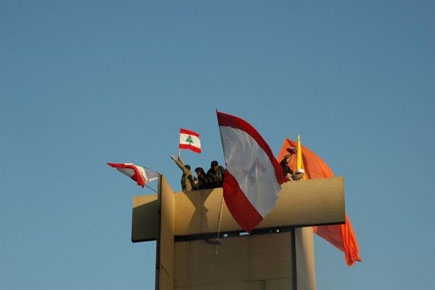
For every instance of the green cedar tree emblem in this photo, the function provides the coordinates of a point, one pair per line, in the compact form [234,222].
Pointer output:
[189,140]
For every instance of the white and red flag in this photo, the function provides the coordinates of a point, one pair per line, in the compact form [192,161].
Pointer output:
[253,177]
[190,140]
[138,173]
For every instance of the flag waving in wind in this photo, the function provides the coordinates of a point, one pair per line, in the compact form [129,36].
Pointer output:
[190,140]
[341,236]
[138,173]
[253,177]
[299,160]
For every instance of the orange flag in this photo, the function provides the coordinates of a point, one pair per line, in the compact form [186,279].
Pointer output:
[341,236]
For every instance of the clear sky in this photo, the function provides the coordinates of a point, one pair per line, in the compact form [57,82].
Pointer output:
[83,83]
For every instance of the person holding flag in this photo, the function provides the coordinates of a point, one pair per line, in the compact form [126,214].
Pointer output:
[188,140]
[299,174]
[285,164]
[187,180]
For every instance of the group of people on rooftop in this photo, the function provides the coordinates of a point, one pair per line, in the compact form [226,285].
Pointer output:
[213,178]
[216,174]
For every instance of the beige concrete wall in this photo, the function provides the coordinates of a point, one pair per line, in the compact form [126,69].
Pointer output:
[145,218]
[306,274]
[166,245]
[245,262]
[245,285]
[310,202]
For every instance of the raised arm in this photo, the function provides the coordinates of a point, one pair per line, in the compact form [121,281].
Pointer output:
[180,164]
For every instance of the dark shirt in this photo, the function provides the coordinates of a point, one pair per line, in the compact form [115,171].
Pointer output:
[216,177]
[202,183]
[285,168]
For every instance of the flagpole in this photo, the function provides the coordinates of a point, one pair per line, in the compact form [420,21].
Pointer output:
[179,149]
[219,225]
[151,188]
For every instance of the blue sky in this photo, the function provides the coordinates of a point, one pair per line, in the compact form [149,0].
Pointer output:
[83,83]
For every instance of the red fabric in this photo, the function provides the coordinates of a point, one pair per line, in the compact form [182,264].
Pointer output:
[314,166]
[237,123]
[188,132]
[193,148]
[239,206]
[136,176]
[243,211]
[341,236]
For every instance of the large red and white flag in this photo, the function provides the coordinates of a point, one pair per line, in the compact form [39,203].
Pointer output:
[253,177]
[190,140]
[138,173]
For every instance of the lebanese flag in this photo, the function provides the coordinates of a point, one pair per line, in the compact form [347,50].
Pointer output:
[138,173]
[341,236]
[190,140]
[253,177]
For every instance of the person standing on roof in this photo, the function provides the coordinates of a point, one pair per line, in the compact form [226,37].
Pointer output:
[285,164]
[299,174]
[201,182]
[187,180]
[215,174]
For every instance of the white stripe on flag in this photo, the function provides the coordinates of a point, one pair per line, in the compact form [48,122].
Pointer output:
[192,141]
[252,169]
